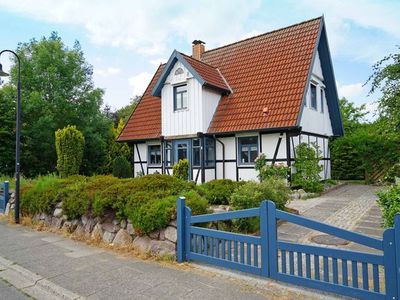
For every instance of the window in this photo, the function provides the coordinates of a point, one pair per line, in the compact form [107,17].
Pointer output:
[248,149]
[154,155]
[313,96]
[322,100]
[180,97]
[181,151]
[168,154]
[209,152]
[196,148]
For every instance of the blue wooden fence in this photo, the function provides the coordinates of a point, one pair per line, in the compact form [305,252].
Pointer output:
[4,196]
[345,272]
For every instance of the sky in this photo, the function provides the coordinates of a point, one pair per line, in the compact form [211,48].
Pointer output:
[125,41]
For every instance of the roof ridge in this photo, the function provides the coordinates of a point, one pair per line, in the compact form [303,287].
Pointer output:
[262,34]
[204,63]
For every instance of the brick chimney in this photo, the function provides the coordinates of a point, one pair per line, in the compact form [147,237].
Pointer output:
[197,49]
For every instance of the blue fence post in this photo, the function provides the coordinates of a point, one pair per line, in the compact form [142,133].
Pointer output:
[264,238]
[188,215]
[397,251]
[272,240]
[6,193]
[180,224]
[389,259]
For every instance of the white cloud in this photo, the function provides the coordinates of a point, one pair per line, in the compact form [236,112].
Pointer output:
[139,82]
[146,26]
[107,72]
[351,91]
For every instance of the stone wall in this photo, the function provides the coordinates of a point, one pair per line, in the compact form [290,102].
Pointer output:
[110,230]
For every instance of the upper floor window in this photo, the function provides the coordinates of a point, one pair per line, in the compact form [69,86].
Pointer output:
[248,149]
[313,103]
[154,155]
[180,97]
[322,100]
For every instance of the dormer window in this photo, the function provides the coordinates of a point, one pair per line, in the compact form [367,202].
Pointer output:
[180,97]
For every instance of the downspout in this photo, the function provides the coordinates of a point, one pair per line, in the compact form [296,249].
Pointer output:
[162,154]
[223,156]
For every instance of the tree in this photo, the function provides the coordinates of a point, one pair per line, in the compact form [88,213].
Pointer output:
[69,146]
[352,115]
[57,90]
[7,130]
[386,78]
[125,112]
[122,168]
[115,149]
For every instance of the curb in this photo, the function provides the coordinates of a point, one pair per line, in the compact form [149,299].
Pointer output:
[33,284]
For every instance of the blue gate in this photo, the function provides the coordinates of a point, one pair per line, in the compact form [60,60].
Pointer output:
[4,194]
[350,273]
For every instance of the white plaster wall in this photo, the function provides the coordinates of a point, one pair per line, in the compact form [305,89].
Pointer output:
[210,100]
[313,120]
[153,170]
[209,174]
[182,122]
[248,174]
[230,148]
[269,143]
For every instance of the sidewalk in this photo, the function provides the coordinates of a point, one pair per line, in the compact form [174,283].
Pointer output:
[49,266]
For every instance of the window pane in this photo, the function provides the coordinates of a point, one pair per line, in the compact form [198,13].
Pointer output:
[196,142]
[313,96]
[322,100]
[209,152]
[154,154]
[248,147]
[181,88]
[253,154]
[196,157]
[248,140]
[184,100]
[244,156]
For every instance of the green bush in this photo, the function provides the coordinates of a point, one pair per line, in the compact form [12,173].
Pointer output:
[307,168]
[218,191]
[251,194]
[122,168]
[69,147]
[266,170]
[197,203]
[181,169]
[389,201]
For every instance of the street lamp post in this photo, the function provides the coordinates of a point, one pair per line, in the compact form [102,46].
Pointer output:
[18,133]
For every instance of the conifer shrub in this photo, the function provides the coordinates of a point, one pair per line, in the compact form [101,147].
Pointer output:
[122,168]
[181,169]
[69,147]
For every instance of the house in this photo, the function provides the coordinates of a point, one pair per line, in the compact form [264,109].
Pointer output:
[222,107]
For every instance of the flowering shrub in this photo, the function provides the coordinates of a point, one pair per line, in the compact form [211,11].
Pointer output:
[266,171]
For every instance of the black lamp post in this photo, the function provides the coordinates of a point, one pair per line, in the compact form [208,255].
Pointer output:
[18,132]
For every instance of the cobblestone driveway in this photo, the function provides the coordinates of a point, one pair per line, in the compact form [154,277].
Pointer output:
[351,207]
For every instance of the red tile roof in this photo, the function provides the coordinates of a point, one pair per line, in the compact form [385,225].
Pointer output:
[266,73]
[210,74]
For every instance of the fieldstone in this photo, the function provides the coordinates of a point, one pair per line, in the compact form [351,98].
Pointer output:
[67,226]
[89,226]
[129,221]
[56,222]
[172,223]
[42,216]
[75,223]
[59,205]
[97,232]
[116,222]
[160,248]
[109,227]
[84,219]
[217,210]
[170,234]
[7,210]
[48,220]
[155,235]
[108,237]
[142,243]
[302,193]
[79,231]
[123,224]
[162,235]
[58,212]
[122,238]
[130,229]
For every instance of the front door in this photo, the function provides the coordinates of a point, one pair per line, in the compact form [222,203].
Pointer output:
[182,151]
